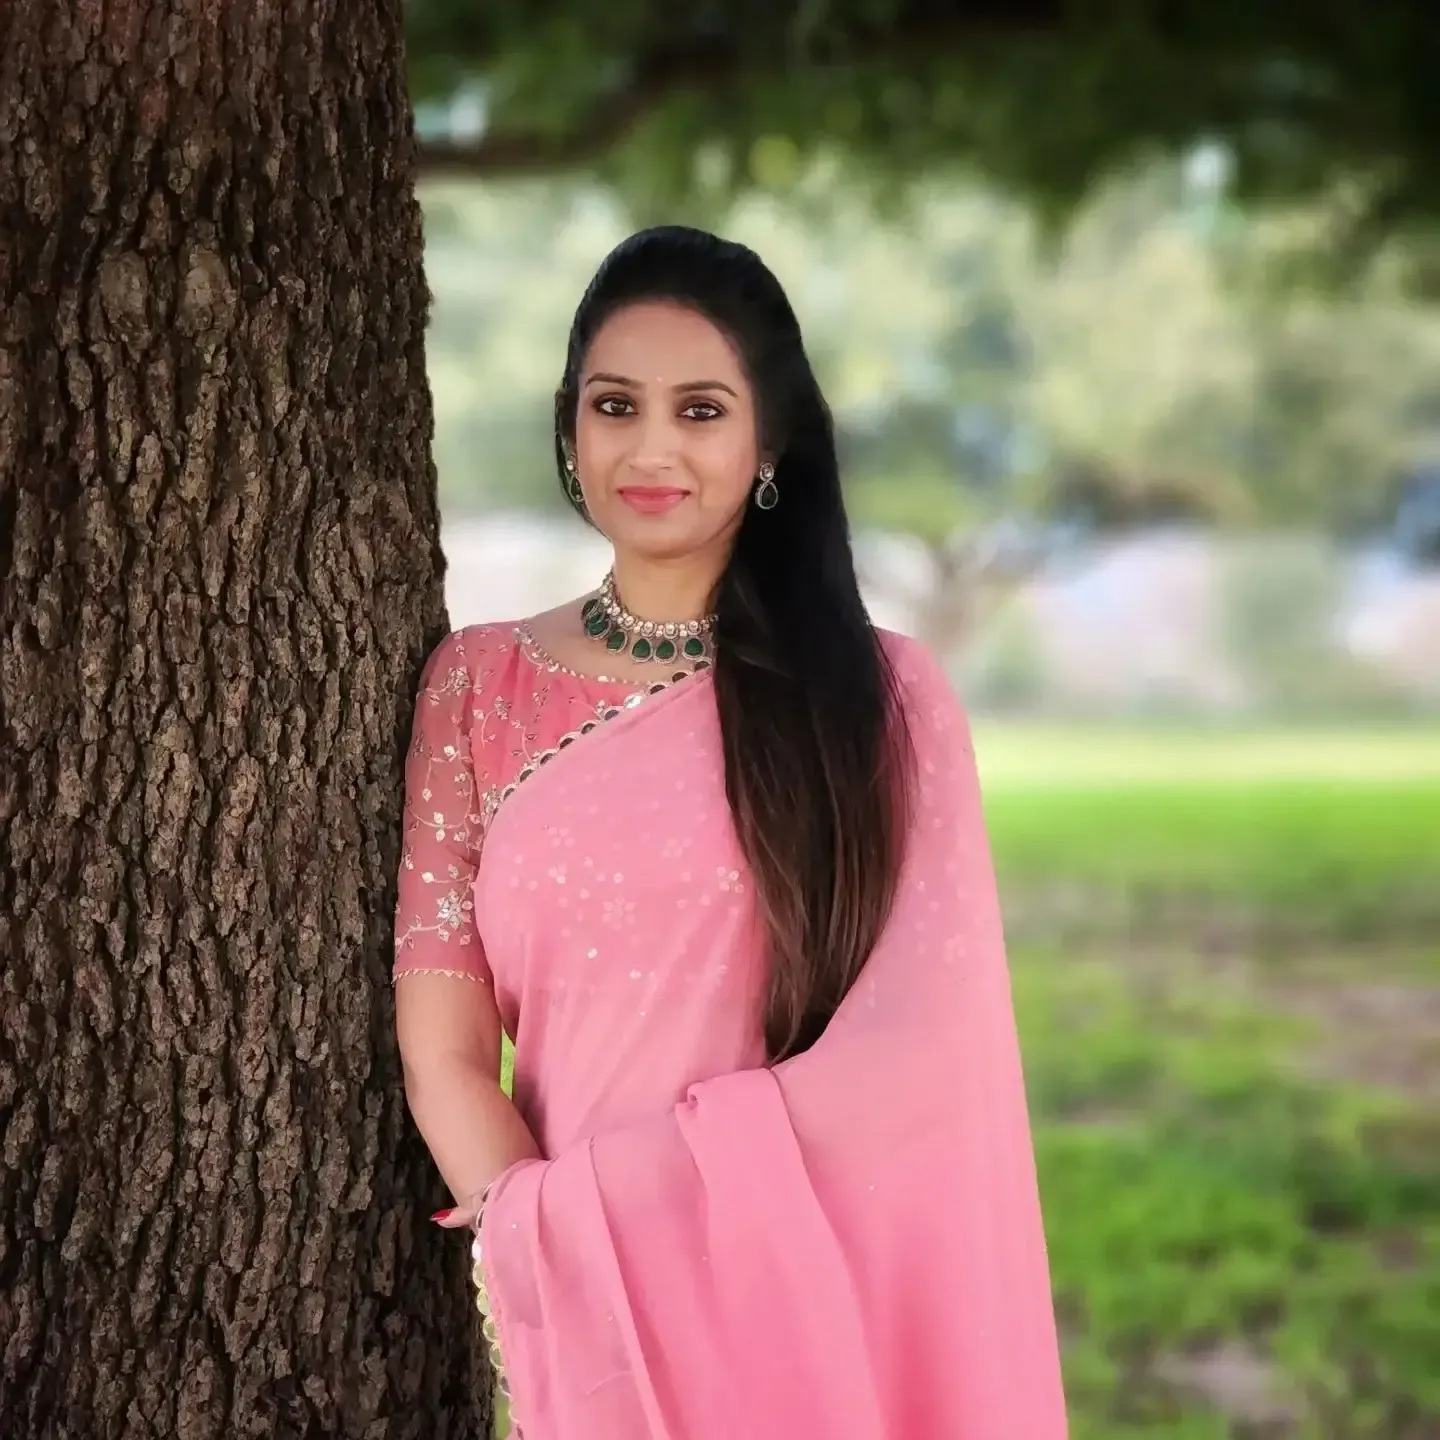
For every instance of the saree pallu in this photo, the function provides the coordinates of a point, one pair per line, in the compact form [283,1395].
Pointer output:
[845,1246]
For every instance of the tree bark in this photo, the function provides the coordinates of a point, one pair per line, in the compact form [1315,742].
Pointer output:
[221,570]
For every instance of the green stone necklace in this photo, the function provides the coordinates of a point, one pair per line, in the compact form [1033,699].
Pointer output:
[664,641]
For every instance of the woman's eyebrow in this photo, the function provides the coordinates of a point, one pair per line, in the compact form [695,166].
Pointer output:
[625,382]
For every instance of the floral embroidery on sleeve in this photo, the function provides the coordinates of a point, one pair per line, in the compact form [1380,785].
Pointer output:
[435,927]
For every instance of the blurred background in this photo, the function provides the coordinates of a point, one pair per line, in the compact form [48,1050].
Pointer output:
[1130,330]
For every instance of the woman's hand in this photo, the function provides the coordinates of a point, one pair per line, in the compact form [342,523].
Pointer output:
[462,1216]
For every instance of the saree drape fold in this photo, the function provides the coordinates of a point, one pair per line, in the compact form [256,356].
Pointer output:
[848,1245]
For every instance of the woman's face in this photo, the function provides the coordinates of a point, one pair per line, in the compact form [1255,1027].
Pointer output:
[666,433]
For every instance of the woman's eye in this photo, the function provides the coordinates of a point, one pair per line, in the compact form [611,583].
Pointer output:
[618,406]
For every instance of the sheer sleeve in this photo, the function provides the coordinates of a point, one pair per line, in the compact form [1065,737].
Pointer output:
[435,930]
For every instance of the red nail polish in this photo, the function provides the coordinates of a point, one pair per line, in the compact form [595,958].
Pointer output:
[440,1215]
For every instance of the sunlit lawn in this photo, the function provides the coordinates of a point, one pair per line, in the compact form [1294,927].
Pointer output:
[1227,976]
[1329,835]
[1236,1124]
[1016,754]
[1243,1222]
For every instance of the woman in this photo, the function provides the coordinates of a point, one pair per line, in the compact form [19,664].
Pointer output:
[710,848]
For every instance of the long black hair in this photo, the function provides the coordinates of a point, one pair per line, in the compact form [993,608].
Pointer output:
[817,753]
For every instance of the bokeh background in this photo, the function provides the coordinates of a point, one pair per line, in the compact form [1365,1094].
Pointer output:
[1145,442]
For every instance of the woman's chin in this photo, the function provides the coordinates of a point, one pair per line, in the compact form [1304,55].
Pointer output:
[659,548]
[656,537]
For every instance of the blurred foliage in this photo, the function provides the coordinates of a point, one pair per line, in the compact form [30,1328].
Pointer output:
[1139,369]
[1280,604]
[690,104]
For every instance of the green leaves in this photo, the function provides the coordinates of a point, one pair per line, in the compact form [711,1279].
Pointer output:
[1044,99]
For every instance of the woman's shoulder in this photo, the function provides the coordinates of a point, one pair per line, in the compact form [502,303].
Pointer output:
[476,657]
[932,704]
[913,663]
[468,644]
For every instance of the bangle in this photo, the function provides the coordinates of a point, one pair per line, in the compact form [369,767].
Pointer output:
[477,1203]
[482,1301]
[477,1274]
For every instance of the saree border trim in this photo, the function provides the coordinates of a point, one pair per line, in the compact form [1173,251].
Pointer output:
[496,795]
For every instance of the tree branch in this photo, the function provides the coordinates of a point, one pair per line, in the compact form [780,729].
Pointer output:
[501,153]
[712,66]
[658,77]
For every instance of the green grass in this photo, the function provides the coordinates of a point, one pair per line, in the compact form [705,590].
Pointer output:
[1333,836]
[1204,1192]
[1244,1231]
[1018,754]
[1340,860]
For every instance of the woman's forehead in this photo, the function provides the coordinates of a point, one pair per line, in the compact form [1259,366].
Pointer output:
[658,342]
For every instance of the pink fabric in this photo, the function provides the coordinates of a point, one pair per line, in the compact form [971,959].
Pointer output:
[848,1245]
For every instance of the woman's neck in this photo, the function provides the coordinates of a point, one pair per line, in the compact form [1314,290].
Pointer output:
[681,589]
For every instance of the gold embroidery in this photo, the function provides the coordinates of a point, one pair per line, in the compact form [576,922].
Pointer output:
[428,970]
[544,757]
[463,715]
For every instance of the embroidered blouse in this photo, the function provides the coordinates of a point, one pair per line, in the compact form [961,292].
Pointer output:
[492,706]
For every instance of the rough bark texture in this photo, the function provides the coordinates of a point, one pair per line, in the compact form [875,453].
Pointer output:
[218,538]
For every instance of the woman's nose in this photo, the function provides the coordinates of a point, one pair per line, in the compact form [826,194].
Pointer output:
[657,442]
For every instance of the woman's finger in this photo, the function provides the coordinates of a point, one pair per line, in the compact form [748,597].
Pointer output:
[460,1218]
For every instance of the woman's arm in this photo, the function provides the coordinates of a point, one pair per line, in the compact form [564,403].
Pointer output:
[446,1017]
[449,1033]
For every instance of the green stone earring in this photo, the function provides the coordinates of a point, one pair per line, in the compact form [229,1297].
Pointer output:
[767,492]
[572,483]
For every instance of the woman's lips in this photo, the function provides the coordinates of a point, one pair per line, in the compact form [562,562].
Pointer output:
[652,499]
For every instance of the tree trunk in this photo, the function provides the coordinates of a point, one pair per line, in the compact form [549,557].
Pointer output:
[219,543]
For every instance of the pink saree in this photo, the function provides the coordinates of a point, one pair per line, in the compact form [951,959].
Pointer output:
[847,1245]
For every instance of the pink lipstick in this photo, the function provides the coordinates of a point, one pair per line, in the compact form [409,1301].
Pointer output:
[652,499]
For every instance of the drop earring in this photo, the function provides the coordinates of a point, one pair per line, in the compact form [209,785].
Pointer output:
[767,493]
[572,484]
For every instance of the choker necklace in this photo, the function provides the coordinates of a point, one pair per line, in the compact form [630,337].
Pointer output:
[608,621]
